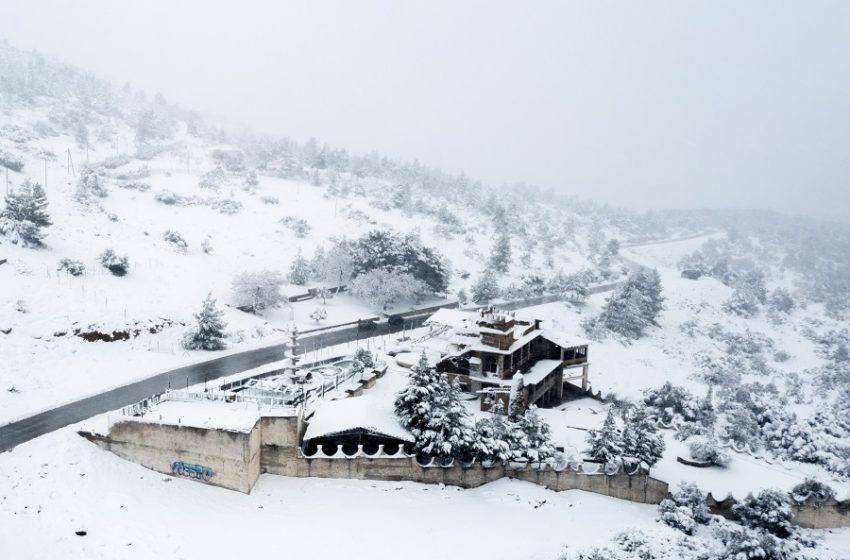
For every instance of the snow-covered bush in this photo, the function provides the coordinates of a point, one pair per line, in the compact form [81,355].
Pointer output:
[706,449]
[11,161]
[214,179]
[24,216]
[72,267]
[136,186]
[780,301]
[319,314]
[227,206]
[365,357]
[206,246]
[770,510]
[255,291]
[383,287]
[168,198]
[670,401]
[575,289]
[176,241]
[89,184]
[270,199]
[299,226]
[685,508]
[744,543]
[208,333]
[815,490]
[116,264]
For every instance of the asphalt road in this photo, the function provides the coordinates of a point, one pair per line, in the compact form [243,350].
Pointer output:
[45,422]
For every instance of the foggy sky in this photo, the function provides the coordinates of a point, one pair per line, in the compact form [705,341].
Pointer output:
[641,104]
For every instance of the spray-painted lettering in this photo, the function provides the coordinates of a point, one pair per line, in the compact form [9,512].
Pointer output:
[198,472]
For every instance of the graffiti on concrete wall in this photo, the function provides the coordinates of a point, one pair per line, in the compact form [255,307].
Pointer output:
[198,472]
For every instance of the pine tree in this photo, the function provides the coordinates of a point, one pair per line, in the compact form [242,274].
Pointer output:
[606,444]
[516,404]
[414,403]
[299,270]
[500,256]
[642,444]
[634,306]
[537,436]
[575,289]
[25,215]
[448,433]
[208,334]
[486,288]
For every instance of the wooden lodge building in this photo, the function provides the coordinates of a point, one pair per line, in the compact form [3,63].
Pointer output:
[487,348]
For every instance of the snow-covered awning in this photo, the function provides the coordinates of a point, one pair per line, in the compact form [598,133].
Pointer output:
[356,413]
[453,318]
[563,340]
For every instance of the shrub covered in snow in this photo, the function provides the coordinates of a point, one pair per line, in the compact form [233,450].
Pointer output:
[89,184]
[685,508]
[299,226]
[136,186]
[706,449]
[770,510]
[270,199]
[168,198]
[319,314]
[815,490]
[11,161]
[116,264]
[72,267]
[213,179]
[606,444]
[227,206]
[365,357]
[208,333]
[256,291]
[670,401]
[383,287]
[176,241]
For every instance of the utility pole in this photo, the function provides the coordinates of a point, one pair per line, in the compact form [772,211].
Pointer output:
[45,174]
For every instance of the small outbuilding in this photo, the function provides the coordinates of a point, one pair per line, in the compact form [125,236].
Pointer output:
[691,274]
[355,421]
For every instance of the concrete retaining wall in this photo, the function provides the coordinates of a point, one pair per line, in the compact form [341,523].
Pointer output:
[289,462]
[218,457]
[808,513]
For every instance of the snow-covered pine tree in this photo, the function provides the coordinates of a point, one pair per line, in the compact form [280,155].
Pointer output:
[448,433]
[642,444]
[606,443]
[208,334]
[299,270]
[486,288]
[575,289]
[25,215]
[413,405]
[634,306]
[516,403]
[500,255]
[538,436]
[770,511]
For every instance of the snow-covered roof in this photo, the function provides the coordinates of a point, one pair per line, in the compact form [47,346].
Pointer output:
[356,413]
[454,318]
[518,343]
[563,340]
[539,371]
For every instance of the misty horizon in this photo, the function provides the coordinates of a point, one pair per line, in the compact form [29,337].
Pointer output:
[655,106]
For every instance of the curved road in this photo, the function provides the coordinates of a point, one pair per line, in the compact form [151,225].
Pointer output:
[45,422]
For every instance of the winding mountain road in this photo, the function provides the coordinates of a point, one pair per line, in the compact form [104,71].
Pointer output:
[23,430]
